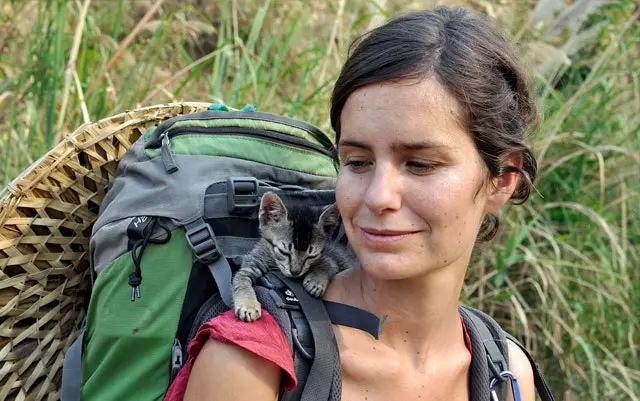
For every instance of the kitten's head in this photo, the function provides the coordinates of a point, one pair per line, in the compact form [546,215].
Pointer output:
[297,235]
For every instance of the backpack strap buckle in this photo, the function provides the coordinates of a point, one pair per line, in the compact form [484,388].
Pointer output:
[242,194]
[200,238]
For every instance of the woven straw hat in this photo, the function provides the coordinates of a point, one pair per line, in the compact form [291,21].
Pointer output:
[46,215]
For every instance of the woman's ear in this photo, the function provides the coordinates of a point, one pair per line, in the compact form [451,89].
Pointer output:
[504,185]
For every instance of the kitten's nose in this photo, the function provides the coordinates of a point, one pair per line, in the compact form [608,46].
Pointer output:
[295,271]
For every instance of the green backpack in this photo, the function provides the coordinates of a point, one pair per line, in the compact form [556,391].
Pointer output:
[174,226]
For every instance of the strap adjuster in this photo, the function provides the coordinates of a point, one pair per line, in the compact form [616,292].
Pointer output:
[202,242]
[242,194]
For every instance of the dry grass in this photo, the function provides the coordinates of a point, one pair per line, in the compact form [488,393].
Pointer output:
[563,275]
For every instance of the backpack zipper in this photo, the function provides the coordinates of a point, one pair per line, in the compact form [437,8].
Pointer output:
[169,160]
[166,153]
[320,136]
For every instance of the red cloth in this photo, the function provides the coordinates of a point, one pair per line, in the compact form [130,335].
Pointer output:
[262,337]
[467,339]
[226,328]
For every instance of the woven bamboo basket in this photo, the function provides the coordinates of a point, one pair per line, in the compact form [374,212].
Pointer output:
[46,216]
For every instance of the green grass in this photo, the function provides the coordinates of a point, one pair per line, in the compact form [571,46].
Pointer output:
[563,274]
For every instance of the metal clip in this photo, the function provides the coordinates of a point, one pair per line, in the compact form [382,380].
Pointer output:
[515,389]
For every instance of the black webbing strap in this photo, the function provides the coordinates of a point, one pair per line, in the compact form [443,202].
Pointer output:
[347,315]
[493,352]
[541,384]
[318,385]
[302,353]
[200,237]
[496,361]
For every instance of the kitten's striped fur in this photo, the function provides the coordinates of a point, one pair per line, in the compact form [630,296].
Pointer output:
[294,239]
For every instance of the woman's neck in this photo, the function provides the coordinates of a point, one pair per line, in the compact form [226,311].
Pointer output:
[421,313]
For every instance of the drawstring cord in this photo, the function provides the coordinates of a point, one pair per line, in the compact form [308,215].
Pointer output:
[135,277]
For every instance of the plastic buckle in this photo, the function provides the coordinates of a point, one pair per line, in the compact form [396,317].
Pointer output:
[242,194]
[202,243]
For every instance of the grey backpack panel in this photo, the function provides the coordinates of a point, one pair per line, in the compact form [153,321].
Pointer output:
[144,188]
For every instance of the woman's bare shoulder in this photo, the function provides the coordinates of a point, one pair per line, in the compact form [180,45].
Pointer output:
[227,372]
[521,367]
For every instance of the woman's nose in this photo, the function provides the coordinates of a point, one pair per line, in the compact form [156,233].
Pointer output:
[384,190]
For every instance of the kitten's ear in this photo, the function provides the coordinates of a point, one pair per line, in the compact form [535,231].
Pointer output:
[272,209]
[329,219]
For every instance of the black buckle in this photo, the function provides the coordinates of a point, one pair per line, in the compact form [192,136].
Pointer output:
[202,243]
[242,194]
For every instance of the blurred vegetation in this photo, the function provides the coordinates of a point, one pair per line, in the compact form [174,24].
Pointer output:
[563,274]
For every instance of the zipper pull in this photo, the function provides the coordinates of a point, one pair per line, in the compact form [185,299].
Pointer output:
[176,359]
[170,164]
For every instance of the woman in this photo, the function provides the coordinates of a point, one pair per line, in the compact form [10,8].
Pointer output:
[430,112]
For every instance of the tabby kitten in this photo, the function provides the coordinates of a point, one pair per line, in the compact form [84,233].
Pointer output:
[297,241]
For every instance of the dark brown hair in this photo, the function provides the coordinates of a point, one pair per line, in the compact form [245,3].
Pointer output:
[474,61]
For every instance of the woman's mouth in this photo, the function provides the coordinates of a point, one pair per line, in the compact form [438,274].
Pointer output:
[377,236]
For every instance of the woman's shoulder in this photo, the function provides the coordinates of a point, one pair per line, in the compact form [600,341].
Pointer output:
[228,356]
[521,367]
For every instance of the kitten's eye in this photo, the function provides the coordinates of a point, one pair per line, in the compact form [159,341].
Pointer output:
[281,251]
[313,253]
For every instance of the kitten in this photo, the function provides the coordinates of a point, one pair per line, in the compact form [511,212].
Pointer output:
[296,240]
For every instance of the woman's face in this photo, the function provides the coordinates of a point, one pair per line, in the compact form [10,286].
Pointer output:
[411,188]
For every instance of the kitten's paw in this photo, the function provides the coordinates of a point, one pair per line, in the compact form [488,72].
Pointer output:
[315,285]
[249,311]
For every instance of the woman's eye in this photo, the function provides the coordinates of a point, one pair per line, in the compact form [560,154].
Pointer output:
[421,167]
[356,164]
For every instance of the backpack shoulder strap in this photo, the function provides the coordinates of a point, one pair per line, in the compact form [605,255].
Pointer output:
[491,336]
[489,355]
[311,323]
[494,339]
[312,336]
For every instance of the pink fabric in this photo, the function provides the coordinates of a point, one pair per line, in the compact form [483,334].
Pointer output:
[262,337]
[467,339]
[226,328]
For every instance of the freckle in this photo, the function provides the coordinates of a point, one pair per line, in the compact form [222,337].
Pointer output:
[460,234]
[457,217]
[407,332]
[418,353]
[445,261]
[446,214]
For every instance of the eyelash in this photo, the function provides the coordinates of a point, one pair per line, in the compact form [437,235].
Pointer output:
[423,167]
[282,252]
[420,167]
[356,165]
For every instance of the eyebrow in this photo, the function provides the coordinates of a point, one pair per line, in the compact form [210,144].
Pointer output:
[420,145]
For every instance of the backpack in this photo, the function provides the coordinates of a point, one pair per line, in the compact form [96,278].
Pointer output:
[175,224]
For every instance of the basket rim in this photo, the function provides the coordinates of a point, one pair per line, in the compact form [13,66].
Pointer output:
[26,182]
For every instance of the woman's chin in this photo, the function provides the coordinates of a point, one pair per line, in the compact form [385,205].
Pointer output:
[388,267]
